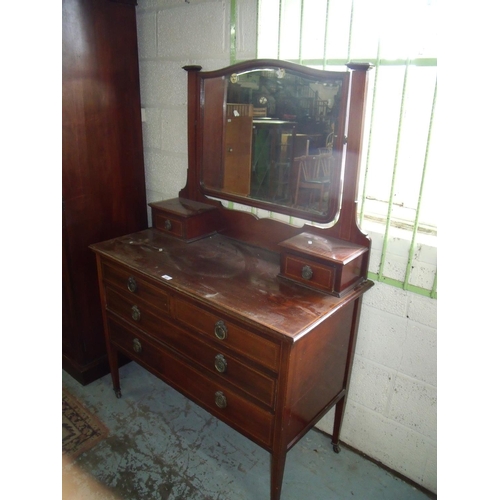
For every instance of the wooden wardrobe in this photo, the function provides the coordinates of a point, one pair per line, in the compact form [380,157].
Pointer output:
[103,185]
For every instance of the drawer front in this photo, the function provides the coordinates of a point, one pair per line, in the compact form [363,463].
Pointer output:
[218,399]
[133,286]
[308,272]
[135,346]
[168,224]
[221,363]
[228,334]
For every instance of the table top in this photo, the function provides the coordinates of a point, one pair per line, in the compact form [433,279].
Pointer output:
[224,273]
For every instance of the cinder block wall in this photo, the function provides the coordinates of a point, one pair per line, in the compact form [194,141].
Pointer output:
[391,413]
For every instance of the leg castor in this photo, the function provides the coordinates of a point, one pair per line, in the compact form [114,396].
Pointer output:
[336,448]
[118,393]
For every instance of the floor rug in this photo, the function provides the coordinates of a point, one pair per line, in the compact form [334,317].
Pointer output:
[81,430]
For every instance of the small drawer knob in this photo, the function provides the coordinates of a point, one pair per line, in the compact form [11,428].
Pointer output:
[220,330]
[220,399]
[220,363]
[132,284]
[168,225]
[307,272]
[136,313]
[136,345]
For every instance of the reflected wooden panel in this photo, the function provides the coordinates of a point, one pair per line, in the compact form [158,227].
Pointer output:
[238,149]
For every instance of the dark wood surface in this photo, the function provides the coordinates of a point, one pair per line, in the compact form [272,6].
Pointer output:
[329,249]
[228,275]
[103,183]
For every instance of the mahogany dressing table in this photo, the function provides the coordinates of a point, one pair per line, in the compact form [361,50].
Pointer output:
[255,320]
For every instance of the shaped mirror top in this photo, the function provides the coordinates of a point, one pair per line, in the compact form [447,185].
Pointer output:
[273,137]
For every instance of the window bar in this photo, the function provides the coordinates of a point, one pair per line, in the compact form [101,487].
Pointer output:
[301,30]
[372,114]
[257,27]
[350,32]
[325,44]
[417,214]
[280,7]
[393,182]
[434,287]
[232,32]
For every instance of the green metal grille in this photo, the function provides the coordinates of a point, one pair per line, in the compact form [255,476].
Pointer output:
[327,34]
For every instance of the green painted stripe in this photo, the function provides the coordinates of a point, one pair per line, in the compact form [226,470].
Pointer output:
[399,284]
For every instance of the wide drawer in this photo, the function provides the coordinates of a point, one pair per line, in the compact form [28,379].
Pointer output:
[132,285]
[220,362]
[225,332]
[246,417]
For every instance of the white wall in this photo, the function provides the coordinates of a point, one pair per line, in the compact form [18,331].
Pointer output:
[391,411]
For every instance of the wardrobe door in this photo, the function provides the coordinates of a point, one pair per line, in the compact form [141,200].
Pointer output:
[102,163]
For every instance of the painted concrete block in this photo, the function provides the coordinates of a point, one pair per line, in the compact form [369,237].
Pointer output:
[151,129]
[375,260]
[387,298]
[146,35]
[414,405]
[174,130]
[193,30]
[381,337]
[399,448]
[161,180]
[429,476]
[371,384]
[419,359]
[163,83]
[395,266]
[422,275]
[426,253]
[423,310]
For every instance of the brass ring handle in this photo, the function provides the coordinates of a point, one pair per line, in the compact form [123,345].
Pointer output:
[307,272]
[168,225]
[132,284]
[220,399]
[136,313]
[220,363]
[136,345]
[220,330]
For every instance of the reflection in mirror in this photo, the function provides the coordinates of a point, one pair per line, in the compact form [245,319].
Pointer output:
[282,139]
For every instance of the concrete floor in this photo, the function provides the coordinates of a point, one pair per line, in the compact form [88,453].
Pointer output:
[162,446]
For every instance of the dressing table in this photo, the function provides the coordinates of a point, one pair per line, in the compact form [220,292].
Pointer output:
[255,320]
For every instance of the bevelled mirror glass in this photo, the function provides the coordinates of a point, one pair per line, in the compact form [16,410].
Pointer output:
[273,137]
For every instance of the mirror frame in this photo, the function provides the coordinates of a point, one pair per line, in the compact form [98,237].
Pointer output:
[355,91]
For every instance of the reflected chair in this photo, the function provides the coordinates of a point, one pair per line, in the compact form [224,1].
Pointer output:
[314,179]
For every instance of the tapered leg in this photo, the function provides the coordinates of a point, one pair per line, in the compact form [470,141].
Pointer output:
[337,425]
[277,472]
[113,365]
